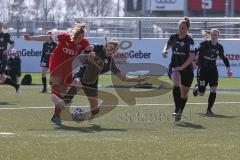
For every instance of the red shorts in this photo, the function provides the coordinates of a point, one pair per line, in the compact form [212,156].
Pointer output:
[60,74]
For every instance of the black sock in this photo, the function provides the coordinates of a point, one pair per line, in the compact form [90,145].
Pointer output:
[183,103]
[211,100]
[176,97]
[10,82]
[71,92]
[44,82]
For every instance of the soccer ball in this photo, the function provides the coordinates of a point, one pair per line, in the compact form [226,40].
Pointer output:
[78,114]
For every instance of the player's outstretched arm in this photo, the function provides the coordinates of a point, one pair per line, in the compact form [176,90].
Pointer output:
[37,38]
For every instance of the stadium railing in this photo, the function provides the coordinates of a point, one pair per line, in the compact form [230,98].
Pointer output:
[130,27]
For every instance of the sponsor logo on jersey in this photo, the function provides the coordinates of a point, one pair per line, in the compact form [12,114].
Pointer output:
[182,43]
[179,53]
[69,51]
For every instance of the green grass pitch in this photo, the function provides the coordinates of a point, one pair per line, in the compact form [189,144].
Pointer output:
[145,131]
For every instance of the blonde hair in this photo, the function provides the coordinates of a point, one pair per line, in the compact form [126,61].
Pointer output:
[78,29]
[207,33]
[114,42]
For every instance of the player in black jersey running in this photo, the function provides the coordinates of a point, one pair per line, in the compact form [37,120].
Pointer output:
[47,50]
[5,39]
[208,52]
[180,67]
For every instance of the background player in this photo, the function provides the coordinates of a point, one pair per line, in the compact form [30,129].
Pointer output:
[180,67]
[5,39]
[208,52]
[47,50]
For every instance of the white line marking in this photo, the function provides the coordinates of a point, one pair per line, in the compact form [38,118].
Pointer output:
[6,133]
[123,105]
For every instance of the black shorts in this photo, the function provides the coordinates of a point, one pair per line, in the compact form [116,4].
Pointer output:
[205,77]
[45,61]
[3,65]
[187,77]
[90,89]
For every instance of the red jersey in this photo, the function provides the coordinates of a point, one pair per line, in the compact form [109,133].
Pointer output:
[67,49]
[63,55]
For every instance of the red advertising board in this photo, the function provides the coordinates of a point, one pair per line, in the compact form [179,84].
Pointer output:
[217,5]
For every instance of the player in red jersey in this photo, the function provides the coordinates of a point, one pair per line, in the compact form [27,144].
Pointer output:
[69,46]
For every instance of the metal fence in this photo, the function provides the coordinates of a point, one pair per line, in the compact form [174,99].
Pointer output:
[131,27]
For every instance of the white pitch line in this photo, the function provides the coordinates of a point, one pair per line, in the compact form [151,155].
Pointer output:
[123,105]
[6,133]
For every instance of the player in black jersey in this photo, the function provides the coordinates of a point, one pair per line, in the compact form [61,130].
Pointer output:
[5,39]
[180,67]
[47,50]
[88,74]
[208,52]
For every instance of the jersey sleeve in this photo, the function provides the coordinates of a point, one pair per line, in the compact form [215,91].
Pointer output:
[85,43]
[221,51]
[55,45]
[201,46]
[43,51]
[192,46]
[222,56]
[61,37]
[8,38]
[170,40]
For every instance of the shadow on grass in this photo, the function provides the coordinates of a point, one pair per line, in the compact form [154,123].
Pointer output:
[7,103]
[189,125]
[216,115]
[92,128]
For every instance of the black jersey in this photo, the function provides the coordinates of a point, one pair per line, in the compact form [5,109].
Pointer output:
[14,65]
[181,49]
[108,62]
[5,38]
[208,55]
[47,50]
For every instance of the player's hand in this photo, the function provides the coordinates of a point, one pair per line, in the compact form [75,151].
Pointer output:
[91,56]
[27,37]
[229,72]
[164,54]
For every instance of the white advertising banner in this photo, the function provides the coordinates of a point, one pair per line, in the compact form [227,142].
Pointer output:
[131,51]
[30,53]
[167,5]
